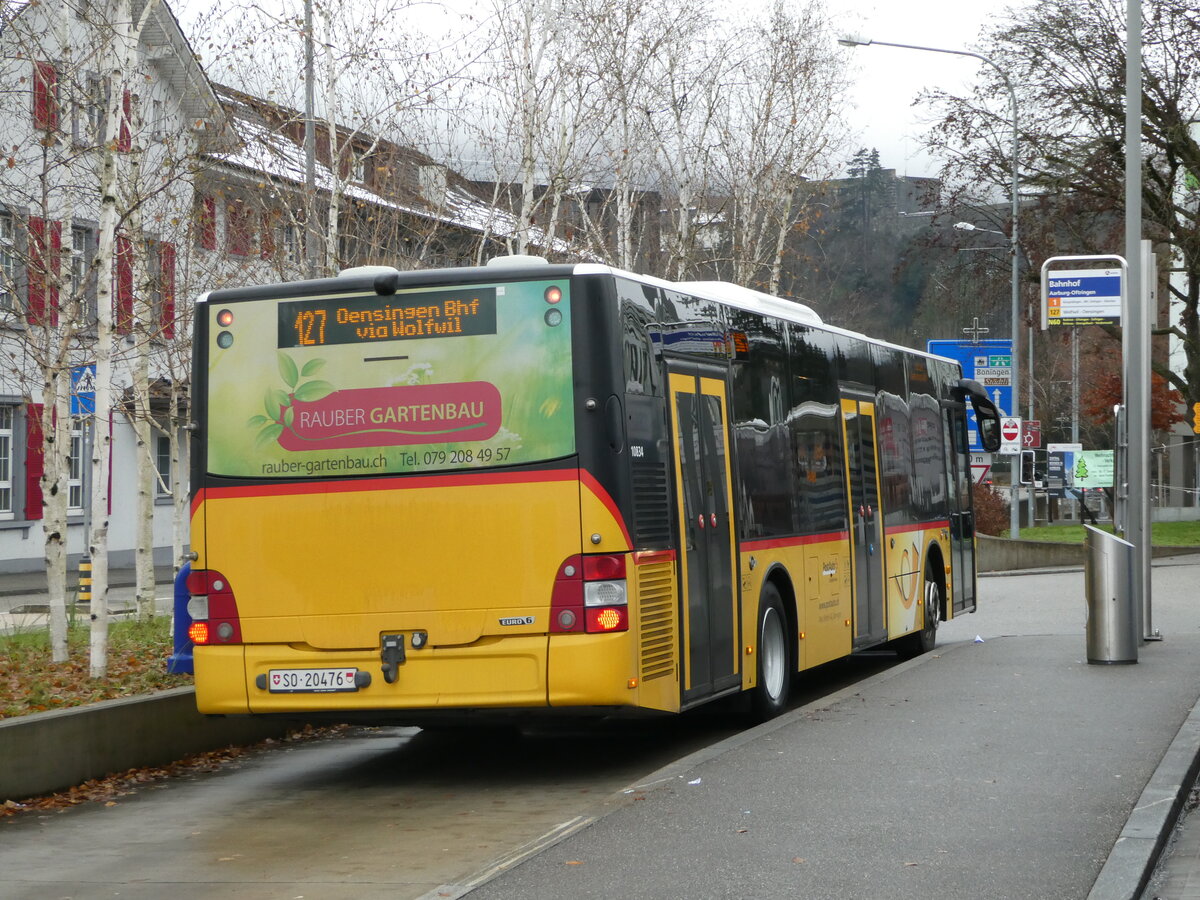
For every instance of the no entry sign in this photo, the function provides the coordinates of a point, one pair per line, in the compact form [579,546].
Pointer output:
[1010,435]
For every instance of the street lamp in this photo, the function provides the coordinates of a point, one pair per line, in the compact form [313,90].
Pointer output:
[856,41]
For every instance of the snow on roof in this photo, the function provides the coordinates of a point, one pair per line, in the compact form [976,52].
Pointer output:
[269,152]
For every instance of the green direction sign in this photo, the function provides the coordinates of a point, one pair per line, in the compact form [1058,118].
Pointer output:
[1094,469]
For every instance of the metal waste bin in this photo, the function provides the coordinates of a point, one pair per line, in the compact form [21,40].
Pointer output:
[1112,626]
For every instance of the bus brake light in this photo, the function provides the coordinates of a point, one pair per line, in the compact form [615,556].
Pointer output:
[213,608]
[609,618]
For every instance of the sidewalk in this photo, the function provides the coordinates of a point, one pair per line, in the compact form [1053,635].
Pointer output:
[23,595]
[1007,768]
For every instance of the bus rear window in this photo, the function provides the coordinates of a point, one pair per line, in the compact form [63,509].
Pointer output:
[424,380]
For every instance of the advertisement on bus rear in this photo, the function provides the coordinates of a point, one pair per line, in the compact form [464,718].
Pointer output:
[423,380]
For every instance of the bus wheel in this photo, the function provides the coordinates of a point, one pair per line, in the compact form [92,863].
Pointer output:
[924,640]
[774,657]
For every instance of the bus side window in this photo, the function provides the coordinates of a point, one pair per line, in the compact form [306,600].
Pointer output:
[642,368]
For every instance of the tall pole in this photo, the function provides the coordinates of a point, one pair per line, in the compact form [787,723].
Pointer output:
[1014,529]
[1136,328]
[310,150]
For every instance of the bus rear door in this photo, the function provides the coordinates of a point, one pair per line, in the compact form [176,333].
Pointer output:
[866,520]
[962,513]
[706,537]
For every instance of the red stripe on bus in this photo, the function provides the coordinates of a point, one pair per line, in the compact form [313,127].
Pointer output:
[780,543]
[920,526]
[468,479]
[589,481]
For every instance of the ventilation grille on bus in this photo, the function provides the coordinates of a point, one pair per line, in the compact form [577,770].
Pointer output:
[651,504]
[656,600]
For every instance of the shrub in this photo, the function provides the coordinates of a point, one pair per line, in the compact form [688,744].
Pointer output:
[991,511]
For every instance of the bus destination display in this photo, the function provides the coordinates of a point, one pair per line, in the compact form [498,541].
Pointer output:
[364,320]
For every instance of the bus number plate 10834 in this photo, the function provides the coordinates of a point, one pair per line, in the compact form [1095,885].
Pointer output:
[310,681]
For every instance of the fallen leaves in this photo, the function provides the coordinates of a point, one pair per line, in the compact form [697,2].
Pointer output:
[30,681]
[124,783]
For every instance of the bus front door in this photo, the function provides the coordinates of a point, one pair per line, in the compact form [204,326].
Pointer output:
[866,520]
[706,537]
[962,512]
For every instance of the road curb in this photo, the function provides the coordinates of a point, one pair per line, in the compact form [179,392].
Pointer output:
[52,751]
[1134,856]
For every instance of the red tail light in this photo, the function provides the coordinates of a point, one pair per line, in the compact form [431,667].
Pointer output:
[590,595]
[213,609]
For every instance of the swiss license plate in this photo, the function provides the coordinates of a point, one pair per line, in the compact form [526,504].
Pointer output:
[310,681]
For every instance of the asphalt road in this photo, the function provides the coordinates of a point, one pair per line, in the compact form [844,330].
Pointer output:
[400,814]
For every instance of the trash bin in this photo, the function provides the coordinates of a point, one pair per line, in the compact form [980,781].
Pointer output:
[1112,626]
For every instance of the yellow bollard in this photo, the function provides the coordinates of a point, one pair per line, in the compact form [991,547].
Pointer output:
[85,580]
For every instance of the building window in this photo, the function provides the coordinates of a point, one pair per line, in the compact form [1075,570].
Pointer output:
[358,166]
[83,249]
[75,469]
[6,461]
[96,100]
[8,262]
[291,243]
[162,464]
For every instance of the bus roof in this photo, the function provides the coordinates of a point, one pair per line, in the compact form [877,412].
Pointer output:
[751,300]
[383,278]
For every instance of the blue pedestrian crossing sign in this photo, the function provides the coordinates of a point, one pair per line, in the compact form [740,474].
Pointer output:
[988,362]
[83,390]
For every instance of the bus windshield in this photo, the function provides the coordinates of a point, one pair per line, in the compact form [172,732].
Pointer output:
[443,378]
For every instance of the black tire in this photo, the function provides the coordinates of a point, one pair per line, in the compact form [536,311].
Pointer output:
[774,654]
[931,606]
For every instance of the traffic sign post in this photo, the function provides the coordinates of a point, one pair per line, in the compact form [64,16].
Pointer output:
[1010,435]
[83,404]
[1031,434]
[989,363]
[83,390]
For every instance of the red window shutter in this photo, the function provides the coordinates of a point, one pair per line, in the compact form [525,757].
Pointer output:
[35,461]
[125,136]
[266,248]
[166,262]
[123,314]
[208,223]
[35,307]
[238,231]
[45,96]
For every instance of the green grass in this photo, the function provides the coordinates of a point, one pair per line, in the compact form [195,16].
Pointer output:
[31,682]
[1162,534]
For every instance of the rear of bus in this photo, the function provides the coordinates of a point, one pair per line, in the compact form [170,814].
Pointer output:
[391,509]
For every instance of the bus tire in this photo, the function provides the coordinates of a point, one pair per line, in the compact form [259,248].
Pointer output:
[773,687]
[931,605]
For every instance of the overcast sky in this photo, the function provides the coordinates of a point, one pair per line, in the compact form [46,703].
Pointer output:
[887,80]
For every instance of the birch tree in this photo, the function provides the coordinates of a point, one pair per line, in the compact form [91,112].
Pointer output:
[783,127]
[45,68]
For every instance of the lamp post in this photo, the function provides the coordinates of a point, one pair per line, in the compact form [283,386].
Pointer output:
[969,226]
[853,41]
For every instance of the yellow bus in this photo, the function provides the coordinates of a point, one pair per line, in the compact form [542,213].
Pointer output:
[529,487]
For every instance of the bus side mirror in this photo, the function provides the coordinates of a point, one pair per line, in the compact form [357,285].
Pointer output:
[987,416]
[989,428]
